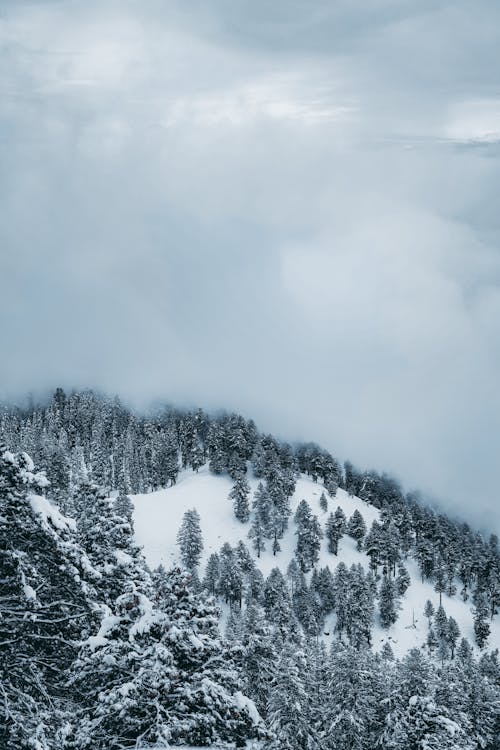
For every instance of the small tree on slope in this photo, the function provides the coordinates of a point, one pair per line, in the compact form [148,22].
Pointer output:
[190,540]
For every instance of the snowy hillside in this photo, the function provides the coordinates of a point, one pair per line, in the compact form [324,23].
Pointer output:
[158,516]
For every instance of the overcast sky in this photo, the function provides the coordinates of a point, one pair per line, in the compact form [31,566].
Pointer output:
[286,208]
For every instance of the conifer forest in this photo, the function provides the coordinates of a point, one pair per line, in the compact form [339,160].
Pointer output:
[249,374]
[289,638]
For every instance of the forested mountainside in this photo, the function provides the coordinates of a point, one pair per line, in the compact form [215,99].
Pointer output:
[312,565]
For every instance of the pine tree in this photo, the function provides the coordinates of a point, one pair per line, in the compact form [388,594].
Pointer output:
[360,608]
[258,658]
[374,545]
[255,587]
[203,701]
[441,622]
[212,574]
[257,534]
[403,580]
[432,641]
[276,600]
[105,531]
[309,536]
[423,724]
[123,677]
[323,502]
[341,594]
[190,540]
[352,711]
[324,588]
[335,528]
[356,528]
[46,605]
[245,559]
[429,611]
[231,576]
[440,579]
[387,604]
[452,635]
[287,707]
[481,614]
[239,497]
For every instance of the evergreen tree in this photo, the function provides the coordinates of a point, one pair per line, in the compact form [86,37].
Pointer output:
[212,574]
[352,710]
[239,497]
[190,540]
[309,536]
[287,709]
[324,587]
[123,678]
[429,611]
[335,528]
[356,528]
[388,603]
[360,608]
[45,607]
[231,576]
[323,502]
[441,622]
[374,545]
[403,580]
[276,600]
[259,657]
[440,579]
[452,635]
[257,534]
[432,640]
[481,614]
[341,594]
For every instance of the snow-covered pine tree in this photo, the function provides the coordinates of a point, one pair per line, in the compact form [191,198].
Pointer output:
[403,580]
[231,576]
[309,536]
[259,656]
[360,608]
[123,679]
[323,502]
[287,709]
[190,540]
[45,607]
[481,615]
[388,602]
[429,611]
[261,522]
[356,528]
[335,528]
[105,531]
[239,497]
[205,702]
[212,574]
[353,710]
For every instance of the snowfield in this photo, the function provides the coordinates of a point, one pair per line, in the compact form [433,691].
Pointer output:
[158,516]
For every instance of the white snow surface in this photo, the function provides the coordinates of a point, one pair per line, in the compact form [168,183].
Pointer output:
[158,515]
[50,512]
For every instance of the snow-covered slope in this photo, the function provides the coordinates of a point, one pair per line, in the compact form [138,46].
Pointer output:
[158,516]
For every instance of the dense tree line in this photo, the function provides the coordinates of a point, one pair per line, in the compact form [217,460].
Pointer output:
[98,651]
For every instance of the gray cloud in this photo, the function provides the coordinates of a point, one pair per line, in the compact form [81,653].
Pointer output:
[283,209]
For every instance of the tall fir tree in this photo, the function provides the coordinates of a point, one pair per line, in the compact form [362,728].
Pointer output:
[190,540]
